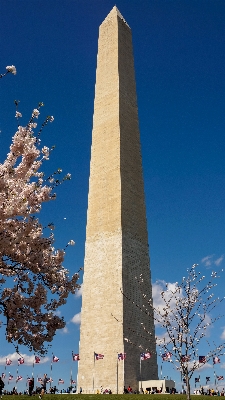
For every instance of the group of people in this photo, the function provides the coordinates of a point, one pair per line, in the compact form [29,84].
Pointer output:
[106,391]
[102,391]
[31,387]
[148,390]
[210,392]
[43,386]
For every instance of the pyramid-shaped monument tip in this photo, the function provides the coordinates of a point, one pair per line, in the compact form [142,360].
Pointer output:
[116,12]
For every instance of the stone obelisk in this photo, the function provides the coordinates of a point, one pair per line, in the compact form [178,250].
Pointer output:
[116,249]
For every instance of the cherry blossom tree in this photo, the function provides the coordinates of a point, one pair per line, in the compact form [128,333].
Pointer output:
[33,281]
[185,312]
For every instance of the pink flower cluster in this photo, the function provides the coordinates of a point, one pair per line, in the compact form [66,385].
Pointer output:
[33,281]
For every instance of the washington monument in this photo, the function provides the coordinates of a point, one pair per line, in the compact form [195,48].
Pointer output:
[116,249]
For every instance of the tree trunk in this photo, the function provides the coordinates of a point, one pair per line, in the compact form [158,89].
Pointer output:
[188,388]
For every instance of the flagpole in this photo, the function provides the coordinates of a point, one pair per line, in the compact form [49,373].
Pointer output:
[5,369]
[17,371]
[117,366]
[77,378]
[51,375]
[123,369]
[94,375]
[71,373]
[123,366]
[140,374]
[161,370]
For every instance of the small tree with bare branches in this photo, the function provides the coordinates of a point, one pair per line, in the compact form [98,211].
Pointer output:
[185,314]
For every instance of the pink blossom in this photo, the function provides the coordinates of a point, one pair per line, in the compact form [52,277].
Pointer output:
[31,270]
[12,69]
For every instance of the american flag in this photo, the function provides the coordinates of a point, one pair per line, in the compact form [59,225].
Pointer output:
[121,356]
[55,359]
[220,378]
[207,379]
[166,356]
[216,360]
[76,357]
[8,361]
[99,356]
[19,378]
[145,356]
[37,360]
[49,380]
[20,360]
[3,375]
[202,359]
[10,377]
[185,358]
[73,381]
[39,379]
[61,381]
[197,380]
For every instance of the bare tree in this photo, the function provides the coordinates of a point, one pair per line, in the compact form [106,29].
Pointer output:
[185,314]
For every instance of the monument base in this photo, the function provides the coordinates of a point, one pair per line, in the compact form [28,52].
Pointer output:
[157,386]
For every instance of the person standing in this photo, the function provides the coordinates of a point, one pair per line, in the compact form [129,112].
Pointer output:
[31,386]
[1,386]
[44,383]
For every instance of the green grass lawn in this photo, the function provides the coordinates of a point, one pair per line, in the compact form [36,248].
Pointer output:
[95,396]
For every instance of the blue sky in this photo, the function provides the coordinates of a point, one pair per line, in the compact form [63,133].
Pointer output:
[179,64]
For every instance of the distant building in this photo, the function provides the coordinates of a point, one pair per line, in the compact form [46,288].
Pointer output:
[157,386]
